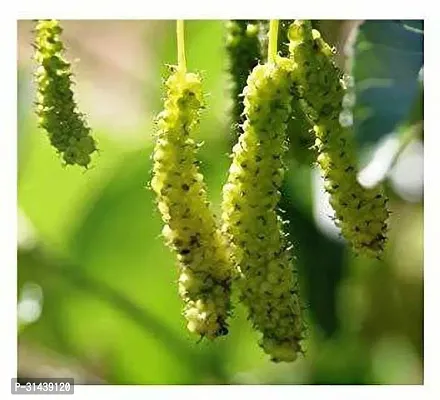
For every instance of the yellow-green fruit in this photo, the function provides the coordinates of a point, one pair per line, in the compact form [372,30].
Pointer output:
[259,248]
[299,129]
[190,228]
[56,109]
[360,213]
[243,49]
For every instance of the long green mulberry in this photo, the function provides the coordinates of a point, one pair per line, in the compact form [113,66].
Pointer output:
[56,109]
[243,49]
[260,250]
[299,129]
[190,228]
[360,213]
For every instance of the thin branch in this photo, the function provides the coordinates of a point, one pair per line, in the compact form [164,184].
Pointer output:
[273,40]
[180,30]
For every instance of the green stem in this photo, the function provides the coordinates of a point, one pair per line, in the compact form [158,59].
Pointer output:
[273,40]
[181,59]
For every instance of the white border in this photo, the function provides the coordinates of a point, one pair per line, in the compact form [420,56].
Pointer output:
[128,9]
[224,9]
[432,202]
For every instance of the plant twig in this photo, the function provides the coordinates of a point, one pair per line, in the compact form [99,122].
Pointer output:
[181,45]
[273,40]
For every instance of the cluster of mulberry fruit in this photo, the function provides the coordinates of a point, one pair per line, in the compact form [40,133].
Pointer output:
[291,100]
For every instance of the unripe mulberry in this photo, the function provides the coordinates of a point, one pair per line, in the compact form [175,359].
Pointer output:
[56,109]
[360,213]
[243,49]
[260,250]
[299,129]
[190,228]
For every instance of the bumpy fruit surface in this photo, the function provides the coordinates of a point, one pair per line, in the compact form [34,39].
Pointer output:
[56,109]
[360,213]
[260,249]
[190,228]
[299,129]
[243,49]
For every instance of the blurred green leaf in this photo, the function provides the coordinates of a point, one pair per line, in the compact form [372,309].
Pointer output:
[87,309]
[387,60]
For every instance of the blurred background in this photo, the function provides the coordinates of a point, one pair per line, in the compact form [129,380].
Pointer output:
[97,287]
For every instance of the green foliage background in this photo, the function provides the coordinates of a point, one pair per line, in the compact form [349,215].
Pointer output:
[110,304]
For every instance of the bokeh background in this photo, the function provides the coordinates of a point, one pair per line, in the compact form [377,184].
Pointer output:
[97,286]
